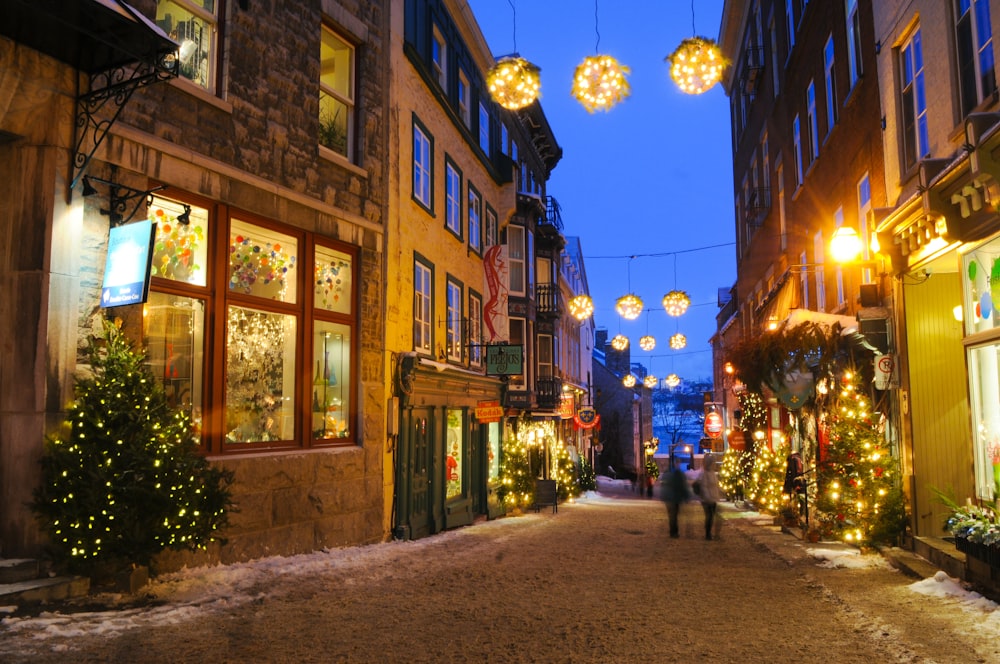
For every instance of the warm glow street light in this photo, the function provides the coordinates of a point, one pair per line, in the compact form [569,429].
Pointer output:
[845,245]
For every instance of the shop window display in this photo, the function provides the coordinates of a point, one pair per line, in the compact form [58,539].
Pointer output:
[453,460]
[174,328]
[285,360]
[981,295]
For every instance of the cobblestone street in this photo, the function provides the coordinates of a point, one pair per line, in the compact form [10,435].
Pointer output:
[599,581]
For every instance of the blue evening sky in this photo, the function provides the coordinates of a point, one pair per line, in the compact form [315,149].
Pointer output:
[652,178]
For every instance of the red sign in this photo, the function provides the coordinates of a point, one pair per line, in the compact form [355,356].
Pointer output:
[713,425]
[566,407]
[586,418]
[489,411]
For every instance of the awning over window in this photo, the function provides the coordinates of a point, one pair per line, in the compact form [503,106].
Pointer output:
[90,35]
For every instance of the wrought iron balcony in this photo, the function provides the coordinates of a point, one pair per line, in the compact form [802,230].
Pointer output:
[758,205]
[548,392]
[548,300]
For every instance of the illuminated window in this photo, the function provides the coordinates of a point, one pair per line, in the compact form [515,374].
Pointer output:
[423,310]
[422,168]
[452,198]
[974,33]
[193,24]
[336,94]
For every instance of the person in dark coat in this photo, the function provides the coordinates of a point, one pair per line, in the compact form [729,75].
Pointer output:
[675,493]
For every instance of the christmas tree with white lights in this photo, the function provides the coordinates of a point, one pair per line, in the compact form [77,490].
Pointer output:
[123,479]
[859,499]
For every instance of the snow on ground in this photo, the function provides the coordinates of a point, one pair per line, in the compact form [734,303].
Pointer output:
[185,595]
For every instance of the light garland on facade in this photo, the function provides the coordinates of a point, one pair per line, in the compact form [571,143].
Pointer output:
[628,380]
[629,306]
[513,82]
[696,65]
[678,341]
[619,342]
[581,307]
[599,83]
[647,342]
[676,302]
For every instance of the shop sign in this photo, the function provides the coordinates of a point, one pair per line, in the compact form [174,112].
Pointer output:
[586,418]
[126,268]
[713,425]
[504,360]
[489,411]
[566,407]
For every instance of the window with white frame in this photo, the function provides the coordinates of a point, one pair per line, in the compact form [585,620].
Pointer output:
[475,329]
[464,101]
[765,160]
[797,148]
[454,325]
[830,79]
[772,30]
[194,25]
[484,128]
[974,40]
[838,221]
[516,241]
[864,210]
[913,100]
[853,42]
[452,198]
[439,57]
[812,123]
[518,335]
[336,93]
[492,229]
[545,354]
[422,167]
[804,279]
[819,254]
[790,24]
[782,219]
[423,307]
[475,220]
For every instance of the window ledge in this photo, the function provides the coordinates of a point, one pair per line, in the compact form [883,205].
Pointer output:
[201,94]
[340,160]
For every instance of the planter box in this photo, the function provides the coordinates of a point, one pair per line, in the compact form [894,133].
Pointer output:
[986,553]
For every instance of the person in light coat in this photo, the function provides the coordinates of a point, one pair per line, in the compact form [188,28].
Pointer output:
[710,494]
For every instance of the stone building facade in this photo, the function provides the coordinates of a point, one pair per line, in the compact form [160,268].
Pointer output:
[231,142]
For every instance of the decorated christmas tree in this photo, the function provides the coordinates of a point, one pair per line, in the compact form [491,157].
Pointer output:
[123,479]
[859,499]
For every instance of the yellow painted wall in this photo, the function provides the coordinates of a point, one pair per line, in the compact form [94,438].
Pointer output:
[938,400]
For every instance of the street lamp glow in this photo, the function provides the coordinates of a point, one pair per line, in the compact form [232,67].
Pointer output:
[845,245]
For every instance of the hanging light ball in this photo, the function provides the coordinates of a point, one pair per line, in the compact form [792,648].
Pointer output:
[619,342]
[676,302]
[628,380]
[581,307]
[647,342]
[696,65]
[673,380]
[678,341]
[629,306]
[513,82]
[650,381]
[599,83]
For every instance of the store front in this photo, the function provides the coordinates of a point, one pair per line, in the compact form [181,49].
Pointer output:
[448,448]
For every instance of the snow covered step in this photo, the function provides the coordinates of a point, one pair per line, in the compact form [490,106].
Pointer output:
[44,590]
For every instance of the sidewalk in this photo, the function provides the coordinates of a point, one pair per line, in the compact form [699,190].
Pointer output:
[788,543]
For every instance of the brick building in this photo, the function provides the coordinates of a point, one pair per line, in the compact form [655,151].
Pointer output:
[807,160]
